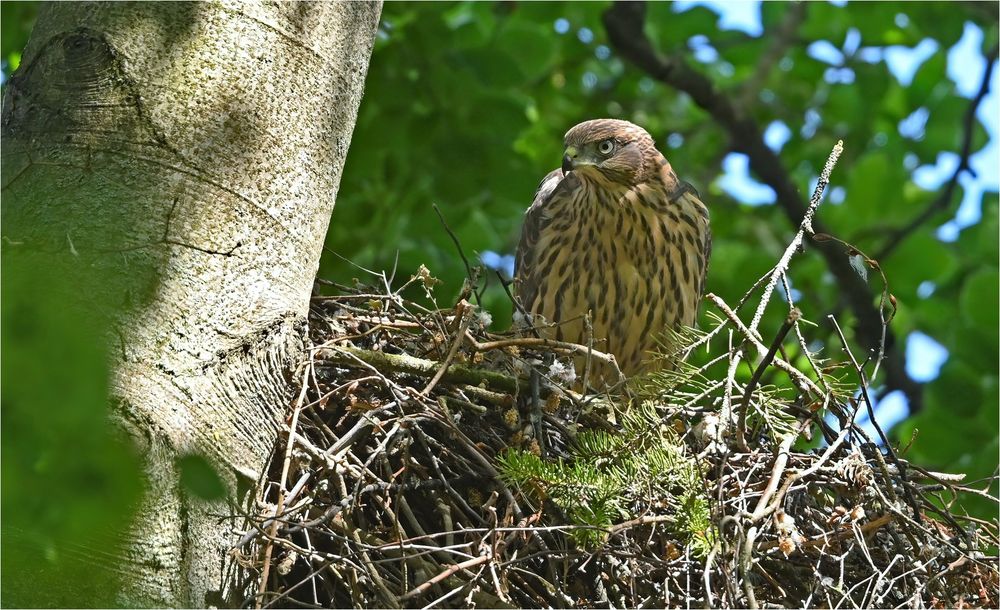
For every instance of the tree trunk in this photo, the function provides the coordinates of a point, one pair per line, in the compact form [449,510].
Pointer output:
[190,153]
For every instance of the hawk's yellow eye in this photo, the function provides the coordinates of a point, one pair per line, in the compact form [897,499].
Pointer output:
[606,147]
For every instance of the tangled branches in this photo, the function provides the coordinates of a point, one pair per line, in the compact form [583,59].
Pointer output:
[424,465]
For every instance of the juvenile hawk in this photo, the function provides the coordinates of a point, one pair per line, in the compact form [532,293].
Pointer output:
[613,232]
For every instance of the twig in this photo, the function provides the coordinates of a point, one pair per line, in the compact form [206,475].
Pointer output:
[805,228]
[647,520]
[765,509]
[829,539]
[886,299]
[286,464]
[465,565]
[458,246]
[793,317]
[544,343]
[396,502]
[801,380]
[780,460]
[517,304]
[802,341]
[456,373]
[735,355]
[776,273]
[869,406]
[465,318]
[745,563]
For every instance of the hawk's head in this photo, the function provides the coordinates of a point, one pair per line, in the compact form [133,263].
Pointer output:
[621,151]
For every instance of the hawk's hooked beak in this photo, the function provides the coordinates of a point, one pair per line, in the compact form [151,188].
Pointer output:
[569,159]
[573,159]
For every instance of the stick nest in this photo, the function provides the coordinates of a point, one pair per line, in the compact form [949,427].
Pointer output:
[411,475]
[428,462]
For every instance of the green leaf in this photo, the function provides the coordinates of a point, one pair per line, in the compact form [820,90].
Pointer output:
[920,258]
[874,20]
[978,302]
[200,478]
[930,83]
[937,20]
[472,23]
[70,482]
[826,22]
[979,242]
[940,133]
[16,21]
[771,13]
[530,45]
[847,103]
[683,25]
[873,183]
[959,388]
[970,343]
[937,429]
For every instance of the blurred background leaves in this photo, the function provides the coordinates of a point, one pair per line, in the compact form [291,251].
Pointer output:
[70,483]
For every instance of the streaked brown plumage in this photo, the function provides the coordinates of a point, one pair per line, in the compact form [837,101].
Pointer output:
[614,232]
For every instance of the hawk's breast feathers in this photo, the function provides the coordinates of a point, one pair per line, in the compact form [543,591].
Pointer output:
[618,237]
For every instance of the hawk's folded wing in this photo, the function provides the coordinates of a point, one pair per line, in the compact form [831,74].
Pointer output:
[685,190]
[535,218]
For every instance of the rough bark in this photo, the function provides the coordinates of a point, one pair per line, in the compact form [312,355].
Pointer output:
[192,153]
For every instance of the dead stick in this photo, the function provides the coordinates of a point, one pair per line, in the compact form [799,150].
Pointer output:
[780,461]
[281,490]
[790,320]
[802,381]
[470,563]
[402,363]
[463,327]
[826,540]
[543,342]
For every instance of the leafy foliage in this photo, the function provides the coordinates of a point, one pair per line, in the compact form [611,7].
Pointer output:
[610,476]
[16,21]
[70,484]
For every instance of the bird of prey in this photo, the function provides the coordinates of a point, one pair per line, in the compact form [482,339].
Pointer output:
[614,233]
